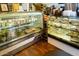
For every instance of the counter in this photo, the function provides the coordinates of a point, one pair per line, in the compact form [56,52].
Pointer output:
[65,29]
[65,47]
[16,29]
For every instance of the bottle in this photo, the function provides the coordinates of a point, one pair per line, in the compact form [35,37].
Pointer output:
[77,11]
[52,9]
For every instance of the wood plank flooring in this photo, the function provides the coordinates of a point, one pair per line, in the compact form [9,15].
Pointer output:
[40,48]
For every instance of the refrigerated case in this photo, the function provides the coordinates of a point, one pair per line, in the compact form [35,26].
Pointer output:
[16,26]
[65,29]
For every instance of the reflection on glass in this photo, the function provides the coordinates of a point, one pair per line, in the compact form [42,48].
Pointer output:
[14,25]
[66,28]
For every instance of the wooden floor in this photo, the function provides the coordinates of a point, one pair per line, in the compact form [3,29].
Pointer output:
[40,48]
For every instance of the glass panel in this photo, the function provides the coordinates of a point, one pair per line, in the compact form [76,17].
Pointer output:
[15,25]
[66,28]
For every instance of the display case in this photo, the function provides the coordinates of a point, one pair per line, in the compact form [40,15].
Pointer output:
[65,29]
[14,26]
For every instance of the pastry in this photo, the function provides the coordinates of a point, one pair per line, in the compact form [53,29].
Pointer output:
[30,30]
[73,34]
[75,22]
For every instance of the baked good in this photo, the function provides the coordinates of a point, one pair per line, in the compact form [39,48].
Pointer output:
[30,30]
[73,34]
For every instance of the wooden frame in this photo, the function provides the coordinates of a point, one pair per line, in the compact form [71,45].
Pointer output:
[4,7]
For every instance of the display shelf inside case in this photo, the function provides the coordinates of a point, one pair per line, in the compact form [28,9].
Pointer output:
[21,24]
[65,28]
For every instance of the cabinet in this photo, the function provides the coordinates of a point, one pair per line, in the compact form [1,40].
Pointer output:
[14,26]
[65,29]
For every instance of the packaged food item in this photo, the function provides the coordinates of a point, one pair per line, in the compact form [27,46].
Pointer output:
[3,35]
[75,22]
[0,24]
[3,24]
[30,30]
[10,23]
[73,34]
[11,33]
[57,24]
[52,18]
[22,21]
[65,21]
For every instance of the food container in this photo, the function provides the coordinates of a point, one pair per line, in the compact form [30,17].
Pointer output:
[67,13]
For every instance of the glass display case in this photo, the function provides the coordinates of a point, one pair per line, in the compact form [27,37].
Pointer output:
[65,29]
[14,26]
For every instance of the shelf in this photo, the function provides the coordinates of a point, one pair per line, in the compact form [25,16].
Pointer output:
[64,31]
[73,44]
[60,32]
[7,42]
[16,26]
[63,26]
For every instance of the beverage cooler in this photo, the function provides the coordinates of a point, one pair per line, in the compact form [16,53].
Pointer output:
[64,29]
[19,27]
